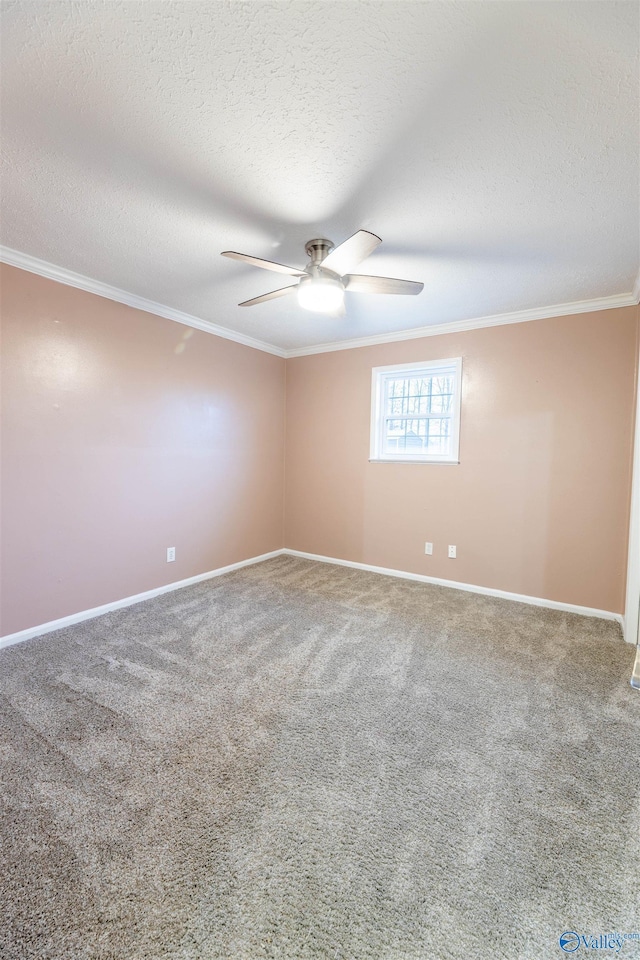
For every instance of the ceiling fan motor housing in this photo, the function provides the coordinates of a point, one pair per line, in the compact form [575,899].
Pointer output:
[317,250]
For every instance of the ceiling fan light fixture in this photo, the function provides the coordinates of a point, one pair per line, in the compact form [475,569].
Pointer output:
[320,294]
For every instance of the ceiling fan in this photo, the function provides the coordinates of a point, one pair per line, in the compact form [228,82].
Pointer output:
[322,283]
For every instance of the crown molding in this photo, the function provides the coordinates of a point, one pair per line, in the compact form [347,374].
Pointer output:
[24,261]
[477,323]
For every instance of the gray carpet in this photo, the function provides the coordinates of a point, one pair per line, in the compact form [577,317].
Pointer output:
[301,760]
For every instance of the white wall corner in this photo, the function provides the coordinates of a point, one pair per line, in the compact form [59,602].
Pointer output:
[635,676]
[632,599]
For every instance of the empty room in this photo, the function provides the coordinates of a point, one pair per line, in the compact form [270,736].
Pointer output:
[320,480]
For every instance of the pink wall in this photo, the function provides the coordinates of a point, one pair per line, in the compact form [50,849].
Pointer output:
[539,503]
[123,434]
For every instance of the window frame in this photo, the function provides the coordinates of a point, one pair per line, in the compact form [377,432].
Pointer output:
[401,371]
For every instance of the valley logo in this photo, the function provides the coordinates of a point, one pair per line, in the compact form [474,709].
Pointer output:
[570,941]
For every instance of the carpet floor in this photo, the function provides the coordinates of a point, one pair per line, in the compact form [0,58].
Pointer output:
[299,760]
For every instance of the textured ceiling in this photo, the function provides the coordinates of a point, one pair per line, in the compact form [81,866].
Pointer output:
[493,147]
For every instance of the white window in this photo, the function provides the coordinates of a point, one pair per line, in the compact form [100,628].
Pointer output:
[415,412]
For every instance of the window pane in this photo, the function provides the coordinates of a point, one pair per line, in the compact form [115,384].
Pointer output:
[419,435]
[441,394]
[414,396]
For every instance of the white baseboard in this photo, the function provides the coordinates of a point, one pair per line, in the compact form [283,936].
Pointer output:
[52,625]
[73,618]
[469,587]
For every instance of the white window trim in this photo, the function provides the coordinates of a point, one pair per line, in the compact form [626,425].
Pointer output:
[378,375]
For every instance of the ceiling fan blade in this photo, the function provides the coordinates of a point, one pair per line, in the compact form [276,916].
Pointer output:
[282,292]
[265,264]
[358,283]
[352,252]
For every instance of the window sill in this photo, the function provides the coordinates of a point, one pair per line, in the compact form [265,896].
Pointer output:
[447,463]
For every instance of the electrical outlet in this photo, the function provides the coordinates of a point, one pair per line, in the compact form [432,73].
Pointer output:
[428,549]
[171,554]
[452,552]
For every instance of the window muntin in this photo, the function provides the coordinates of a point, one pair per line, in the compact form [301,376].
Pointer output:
[416,412]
